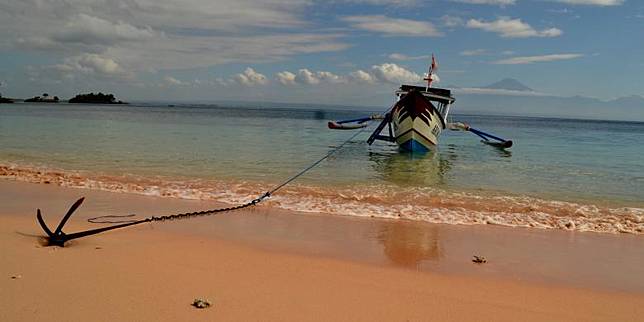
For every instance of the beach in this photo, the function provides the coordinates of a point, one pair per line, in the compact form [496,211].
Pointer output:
[296,160]
[268,264]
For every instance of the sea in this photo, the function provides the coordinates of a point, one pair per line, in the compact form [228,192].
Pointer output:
[578,175]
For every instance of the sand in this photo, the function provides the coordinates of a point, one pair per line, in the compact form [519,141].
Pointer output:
[266,265]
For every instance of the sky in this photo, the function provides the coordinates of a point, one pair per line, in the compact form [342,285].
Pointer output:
[351,52]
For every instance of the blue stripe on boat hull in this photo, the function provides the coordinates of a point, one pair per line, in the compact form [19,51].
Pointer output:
[414,146]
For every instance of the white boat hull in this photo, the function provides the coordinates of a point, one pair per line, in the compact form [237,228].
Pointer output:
[416,123]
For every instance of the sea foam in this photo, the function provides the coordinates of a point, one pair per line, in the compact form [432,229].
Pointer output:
[384,201]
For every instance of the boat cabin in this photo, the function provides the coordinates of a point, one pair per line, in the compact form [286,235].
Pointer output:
[442,98]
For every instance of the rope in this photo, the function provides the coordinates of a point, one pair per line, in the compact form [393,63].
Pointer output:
[314,164]
[254,202]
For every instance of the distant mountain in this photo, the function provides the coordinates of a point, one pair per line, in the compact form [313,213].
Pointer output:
[629,101]
[511,97]
[629,108]
[509,84]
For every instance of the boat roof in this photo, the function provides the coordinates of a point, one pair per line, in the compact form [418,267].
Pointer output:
[440,94]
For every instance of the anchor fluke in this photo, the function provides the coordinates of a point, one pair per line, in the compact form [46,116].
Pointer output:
[71,210]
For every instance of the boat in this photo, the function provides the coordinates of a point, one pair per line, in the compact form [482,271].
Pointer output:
[417,118]
[419,115]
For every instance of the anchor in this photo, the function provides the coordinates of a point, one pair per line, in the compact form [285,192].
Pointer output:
[59,238]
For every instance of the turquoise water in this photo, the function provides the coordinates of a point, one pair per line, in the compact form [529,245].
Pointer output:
[558,171]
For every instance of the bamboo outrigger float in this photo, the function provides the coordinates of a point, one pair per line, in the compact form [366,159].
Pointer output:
[417,119]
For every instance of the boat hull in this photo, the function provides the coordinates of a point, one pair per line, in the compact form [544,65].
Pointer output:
[416,122]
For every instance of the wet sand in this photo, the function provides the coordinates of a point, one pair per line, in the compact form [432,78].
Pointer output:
[265,264]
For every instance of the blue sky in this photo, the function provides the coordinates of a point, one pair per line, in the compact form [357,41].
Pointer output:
[353,52]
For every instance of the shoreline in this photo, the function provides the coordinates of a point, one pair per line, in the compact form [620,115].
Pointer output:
[578,259]
[268,264]
[432,205]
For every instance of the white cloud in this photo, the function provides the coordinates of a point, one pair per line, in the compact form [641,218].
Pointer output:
[90,30]
[401,3]
[512,28]
[360,76]
[492,2]
[169,80]
[387,73]
[35,43]
[402,57]
[285,78]
[223,82]
[305,76]
[250,78]
[452,21]
[594,2]
[473,52]
[164,34]
[91,65]
[393,26]
[329,77]
[392,73]
[536,59]
[191,52]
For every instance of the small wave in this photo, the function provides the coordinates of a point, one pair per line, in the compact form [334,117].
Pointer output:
[385,201]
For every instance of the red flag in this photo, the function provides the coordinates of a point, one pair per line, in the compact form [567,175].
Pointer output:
[434,64]
[430,72]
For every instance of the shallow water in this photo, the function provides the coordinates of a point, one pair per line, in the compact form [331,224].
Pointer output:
[570,174]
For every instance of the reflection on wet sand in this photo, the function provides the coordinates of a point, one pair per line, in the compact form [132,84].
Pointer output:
[409,244]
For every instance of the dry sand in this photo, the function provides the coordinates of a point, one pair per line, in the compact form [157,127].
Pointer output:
[266,265]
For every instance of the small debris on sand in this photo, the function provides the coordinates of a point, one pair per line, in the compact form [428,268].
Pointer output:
[201,303]
[15,277]
[479,259]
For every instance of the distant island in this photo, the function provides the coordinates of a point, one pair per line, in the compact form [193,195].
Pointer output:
[92,98]
[5,100]
[44,99]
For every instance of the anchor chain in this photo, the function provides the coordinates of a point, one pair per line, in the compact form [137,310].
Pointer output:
[96,220]
[59,238]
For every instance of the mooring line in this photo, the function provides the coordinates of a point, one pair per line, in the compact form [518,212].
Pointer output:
[102,219]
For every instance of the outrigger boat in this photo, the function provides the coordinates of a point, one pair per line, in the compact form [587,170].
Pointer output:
[417,119]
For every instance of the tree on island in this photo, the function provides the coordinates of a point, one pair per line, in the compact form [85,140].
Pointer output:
[5,100]
[92,98]
[44,99]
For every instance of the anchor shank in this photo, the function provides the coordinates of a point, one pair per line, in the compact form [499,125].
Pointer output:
[100,230]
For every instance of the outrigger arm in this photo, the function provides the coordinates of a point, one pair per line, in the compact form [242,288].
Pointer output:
[353,123]
[376,134]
